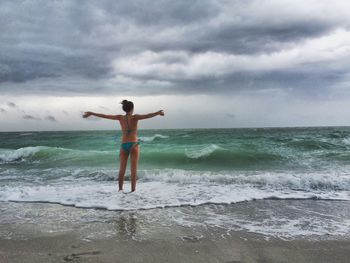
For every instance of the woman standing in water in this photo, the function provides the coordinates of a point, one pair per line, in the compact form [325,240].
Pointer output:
[130,146]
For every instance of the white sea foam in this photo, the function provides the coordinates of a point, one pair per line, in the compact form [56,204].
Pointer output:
[287,228]
[296,181]
[152,194]
[152,138]
[282,226]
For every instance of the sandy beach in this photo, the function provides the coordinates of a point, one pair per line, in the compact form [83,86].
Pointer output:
[123,239]
[238,248]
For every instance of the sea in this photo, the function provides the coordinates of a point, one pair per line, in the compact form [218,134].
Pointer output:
[281,182]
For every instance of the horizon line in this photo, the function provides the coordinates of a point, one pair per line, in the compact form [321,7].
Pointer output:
[193,128]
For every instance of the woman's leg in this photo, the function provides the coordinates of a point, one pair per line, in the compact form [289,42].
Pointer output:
[123,161]
[134,156]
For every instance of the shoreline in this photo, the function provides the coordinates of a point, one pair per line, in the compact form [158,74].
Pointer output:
[55,233]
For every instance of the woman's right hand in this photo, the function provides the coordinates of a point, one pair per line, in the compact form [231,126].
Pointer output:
[161,113]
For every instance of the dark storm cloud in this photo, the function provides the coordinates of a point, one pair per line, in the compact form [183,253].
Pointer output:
[73,47]
[50,118]
[3,110]
[258,38]
[161,12]
[30,117]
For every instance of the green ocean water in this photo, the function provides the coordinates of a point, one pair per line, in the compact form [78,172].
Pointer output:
[203,150]
[184,166]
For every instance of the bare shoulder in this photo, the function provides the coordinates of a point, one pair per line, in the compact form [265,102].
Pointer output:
[136,116]
[118,117]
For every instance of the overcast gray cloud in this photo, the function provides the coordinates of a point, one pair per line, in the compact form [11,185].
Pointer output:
[11,104]
[230,115]
[30,117]
[103,107]
[173,47]
[50,118]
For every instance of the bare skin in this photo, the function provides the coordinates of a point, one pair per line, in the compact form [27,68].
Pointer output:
[127,122]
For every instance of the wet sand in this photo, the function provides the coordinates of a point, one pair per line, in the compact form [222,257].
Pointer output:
[239,247]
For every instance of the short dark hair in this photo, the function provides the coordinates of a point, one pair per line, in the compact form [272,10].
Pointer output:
[127,105]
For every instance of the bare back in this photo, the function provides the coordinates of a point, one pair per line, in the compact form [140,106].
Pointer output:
[128,124]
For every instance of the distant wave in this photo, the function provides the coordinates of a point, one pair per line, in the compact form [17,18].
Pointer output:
[346,141]
[202,152]
[54,154]
[308,144]
[206,156]
[211,154]
[152,138]
[338,134]
[26,134]
[19,154]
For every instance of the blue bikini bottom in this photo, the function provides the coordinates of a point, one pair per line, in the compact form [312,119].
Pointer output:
[126,146]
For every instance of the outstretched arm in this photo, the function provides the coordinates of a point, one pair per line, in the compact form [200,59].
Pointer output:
[149,115]
[110,117]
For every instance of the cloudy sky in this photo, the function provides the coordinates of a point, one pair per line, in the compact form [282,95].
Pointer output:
[223,63]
